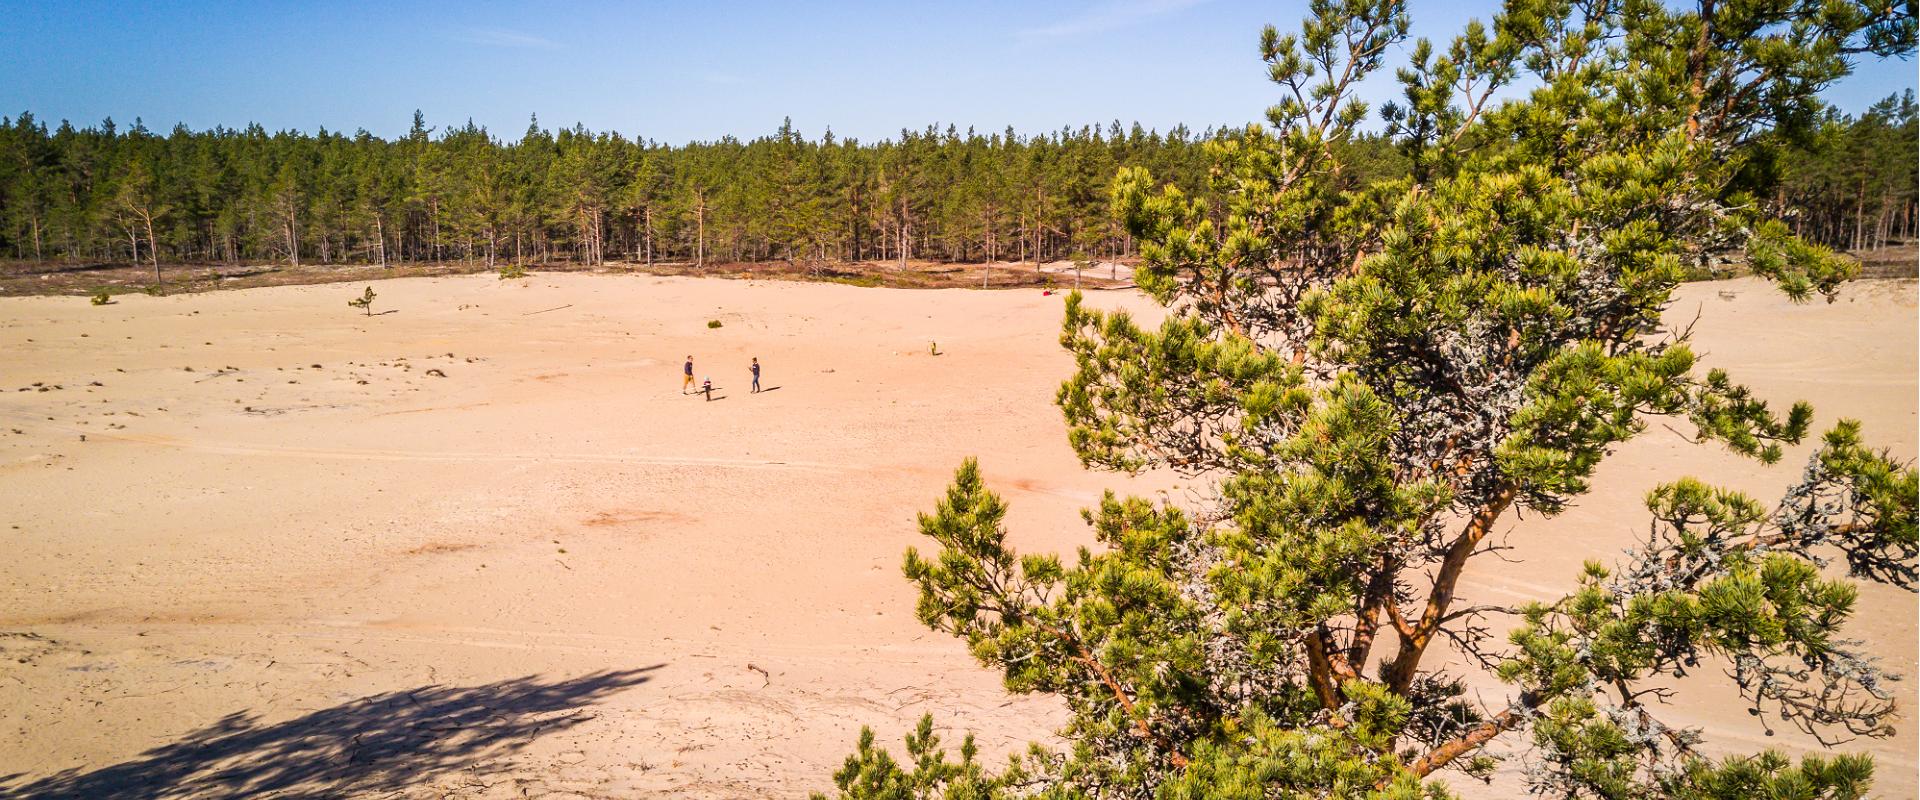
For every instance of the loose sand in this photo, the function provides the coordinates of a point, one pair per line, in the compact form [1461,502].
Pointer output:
[255,541]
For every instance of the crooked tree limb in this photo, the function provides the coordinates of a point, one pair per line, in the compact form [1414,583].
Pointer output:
[1697,69]
[1379,594]
[1320,668]
[992,587]
[1412,647]
[1085,656]
[1323,676]
[1475,737]
[1400,624]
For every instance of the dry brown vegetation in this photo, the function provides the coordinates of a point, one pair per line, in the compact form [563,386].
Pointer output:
[32,278]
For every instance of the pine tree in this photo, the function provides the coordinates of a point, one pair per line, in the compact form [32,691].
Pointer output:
[1371,376]
[136,202]
[935,193]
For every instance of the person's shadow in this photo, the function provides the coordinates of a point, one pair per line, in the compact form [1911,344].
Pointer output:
[375,745]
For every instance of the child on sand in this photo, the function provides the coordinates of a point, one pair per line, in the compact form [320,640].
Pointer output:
[756,375]
[706,387]
[688,382]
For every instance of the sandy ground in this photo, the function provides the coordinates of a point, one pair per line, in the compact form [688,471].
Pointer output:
[483,546]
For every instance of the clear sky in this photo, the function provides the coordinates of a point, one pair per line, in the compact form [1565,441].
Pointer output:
[674,71]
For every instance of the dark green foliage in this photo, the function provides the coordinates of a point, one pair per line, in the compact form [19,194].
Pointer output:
[1071,630]
[512,272]
[713,323]
[872,774]
[570,195]
[1771,775]
[1850,182]
[227,194]
[1362,375]
[101,297]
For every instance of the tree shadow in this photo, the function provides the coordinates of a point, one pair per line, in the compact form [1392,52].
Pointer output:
[374,745]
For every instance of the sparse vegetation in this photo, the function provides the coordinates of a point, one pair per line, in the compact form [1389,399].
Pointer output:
[512,272]
[862,281]
[102,297]
[364,302]
[713,323]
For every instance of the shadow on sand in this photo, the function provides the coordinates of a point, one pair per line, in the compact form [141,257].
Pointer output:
[374,745]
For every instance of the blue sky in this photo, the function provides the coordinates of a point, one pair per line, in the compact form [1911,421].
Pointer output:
[673,71]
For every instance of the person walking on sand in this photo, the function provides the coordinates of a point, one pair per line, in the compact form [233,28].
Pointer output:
[687,383]
[756,375]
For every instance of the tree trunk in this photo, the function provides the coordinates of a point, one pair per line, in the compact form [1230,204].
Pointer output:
[1860,217]
[906,235]
[153,247]
[293,240]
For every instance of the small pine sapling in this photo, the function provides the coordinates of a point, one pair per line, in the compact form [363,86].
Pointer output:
[101,298]
[364,303]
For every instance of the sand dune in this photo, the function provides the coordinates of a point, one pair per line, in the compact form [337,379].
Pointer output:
[483,546]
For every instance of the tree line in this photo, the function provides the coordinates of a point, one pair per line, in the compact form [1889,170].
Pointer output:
[108,194]
[1853,185]
[104,193]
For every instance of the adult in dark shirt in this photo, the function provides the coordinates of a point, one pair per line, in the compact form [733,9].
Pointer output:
[756,374]
[688,382]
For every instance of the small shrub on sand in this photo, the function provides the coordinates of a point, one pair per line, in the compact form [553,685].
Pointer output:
[365,302]
[864,281]
[101,297]
[512,272]
[713,323]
